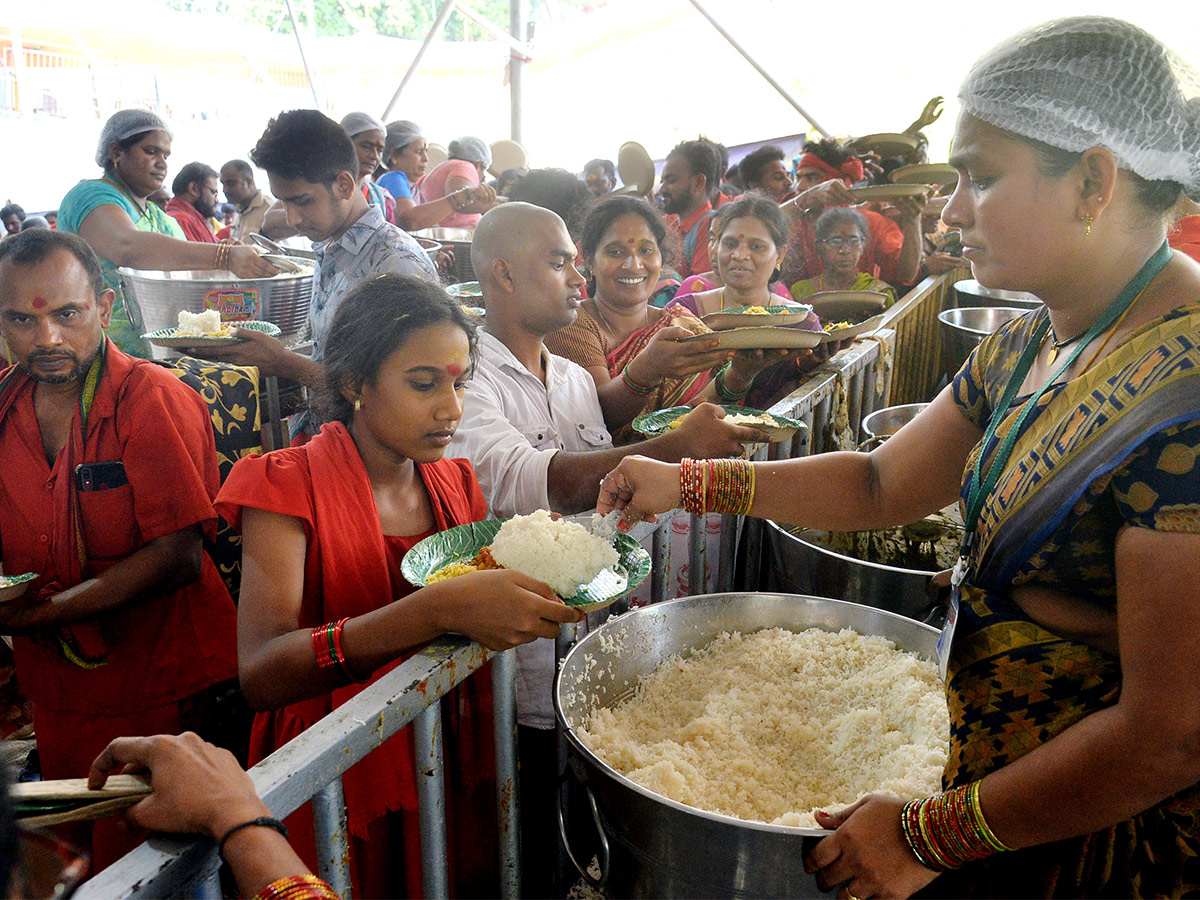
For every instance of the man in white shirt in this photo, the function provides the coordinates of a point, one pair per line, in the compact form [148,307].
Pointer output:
[532,425]
[533,429]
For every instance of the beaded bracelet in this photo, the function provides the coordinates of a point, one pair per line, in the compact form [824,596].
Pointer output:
[723,391]
[634,386]
[949,830]
[297,887]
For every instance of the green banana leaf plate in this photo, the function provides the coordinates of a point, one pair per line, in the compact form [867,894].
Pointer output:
[462,543]
[781,428]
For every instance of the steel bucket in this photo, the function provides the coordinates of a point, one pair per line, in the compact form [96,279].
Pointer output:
[655,847]
[154,299]
[970,293]
[963,329]
[883,423]
[457,240]
[805,567]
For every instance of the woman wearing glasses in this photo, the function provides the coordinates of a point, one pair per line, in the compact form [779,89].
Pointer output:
[841,237]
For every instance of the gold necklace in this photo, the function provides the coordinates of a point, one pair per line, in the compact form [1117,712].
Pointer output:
[604,321]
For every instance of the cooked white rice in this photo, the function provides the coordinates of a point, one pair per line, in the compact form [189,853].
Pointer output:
[207,322]
[774,725]
[563,554]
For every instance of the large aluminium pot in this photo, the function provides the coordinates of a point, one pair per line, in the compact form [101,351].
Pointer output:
[970,292]
[654,846]
[964,329]
[154,299]
[800,564]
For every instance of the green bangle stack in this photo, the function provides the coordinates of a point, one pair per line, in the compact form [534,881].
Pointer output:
[726,395]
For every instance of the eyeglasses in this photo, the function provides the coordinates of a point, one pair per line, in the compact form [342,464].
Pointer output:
[838,243]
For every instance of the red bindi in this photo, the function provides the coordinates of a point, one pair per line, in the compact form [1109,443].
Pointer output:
[38,302]
[629,241]
[454,370]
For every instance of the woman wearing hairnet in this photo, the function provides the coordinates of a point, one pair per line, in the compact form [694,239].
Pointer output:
[460,181]
[1071,436]
[112,213]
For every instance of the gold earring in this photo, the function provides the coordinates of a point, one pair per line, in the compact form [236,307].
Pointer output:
[1087,224]
[357,404]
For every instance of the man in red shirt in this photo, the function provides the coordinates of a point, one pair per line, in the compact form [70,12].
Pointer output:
[825,172]
[689,173]
[194,203]
[105,494]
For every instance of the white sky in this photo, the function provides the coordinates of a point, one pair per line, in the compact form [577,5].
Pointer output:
[648,70]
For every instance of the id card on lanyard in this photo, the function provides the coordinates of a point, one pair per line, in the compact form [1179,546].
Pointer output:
[979,486]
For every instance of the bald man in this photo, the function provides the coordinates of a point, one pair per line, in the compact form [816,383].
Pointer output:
[533,430]
[532,425]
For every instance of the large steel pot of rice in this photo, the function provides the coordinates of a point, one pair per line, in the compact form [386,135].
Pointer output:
[656,847]
[154,299]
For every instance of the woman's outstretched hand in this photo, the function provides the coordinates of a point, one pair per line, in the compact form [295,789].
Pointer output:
[640,487]
[867,852]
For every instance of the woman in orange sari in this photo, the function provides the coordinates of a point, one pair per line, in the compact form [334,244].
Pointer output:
[630,348]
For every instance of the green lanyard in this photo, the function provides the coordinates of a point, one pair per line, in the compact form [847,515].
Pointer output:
[980,487]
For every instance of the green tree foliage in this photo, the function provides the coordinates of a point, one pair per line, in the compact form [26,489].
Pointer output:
[391,18]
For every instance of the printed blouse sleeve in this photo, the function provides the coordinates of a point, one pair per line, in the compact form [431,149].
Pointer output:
[1158,487]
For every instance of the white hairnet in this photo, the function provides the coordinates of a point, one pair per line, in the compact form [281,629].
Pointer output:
[125,123]
[400,134]
[1093,81]
[358,122]
[472,149]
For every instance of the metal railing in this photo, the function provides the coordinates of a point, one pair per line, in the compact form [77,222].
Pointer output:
[831,401]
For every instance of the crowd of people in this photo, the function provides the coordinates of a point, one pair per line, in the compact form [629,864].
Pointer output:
[1081,495]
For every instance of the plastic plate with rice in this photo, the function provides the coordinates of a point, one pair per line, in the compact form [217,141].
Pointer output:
[174,339]
[13,586]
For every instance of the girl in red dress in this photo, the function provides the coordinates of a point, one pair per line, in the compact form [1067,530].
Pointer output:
[324,528]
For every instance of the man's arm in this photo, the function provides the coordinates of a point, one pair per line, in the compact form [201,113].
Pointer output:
[159,567]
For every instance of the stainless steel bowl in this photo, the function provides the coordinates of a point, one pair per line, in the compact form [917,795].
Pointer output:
[457,240]
[657,847]
[969,293]
[154,299]
[887,421]
[963,329]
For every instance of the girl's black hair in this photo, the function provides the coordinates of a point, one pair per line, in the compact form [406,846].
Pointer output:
[839,215]
[373,322]
[605,212]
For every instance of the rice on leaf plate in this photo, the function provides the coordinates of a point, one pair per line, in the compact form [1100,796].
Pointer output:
[173,340]
[462,543]
[777,428]
[13,586]
[854,312]
[786,315]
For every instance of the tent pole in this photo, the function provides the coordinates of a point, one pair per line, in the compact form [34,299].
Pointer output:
[516,66]
[304,59]
[761,71]
[434,30]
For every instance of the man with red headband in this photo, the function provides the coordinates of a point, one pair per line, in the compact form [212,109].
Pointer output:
[825,173]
